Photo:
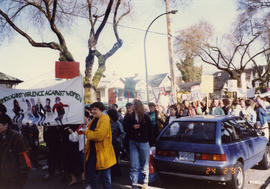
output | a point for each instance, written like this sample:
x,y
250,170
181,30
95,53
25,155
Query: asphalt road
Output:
x,y
255,179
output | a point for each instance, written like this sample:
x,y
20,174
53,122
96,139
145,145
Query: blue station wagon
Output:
x,y
216,148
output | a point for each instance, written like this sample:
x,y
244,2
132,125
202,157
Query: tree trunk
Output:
x,y
91,84
65,55
238,79
89,91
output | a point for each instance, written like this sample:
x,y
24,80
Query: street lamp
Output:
x,y
145,60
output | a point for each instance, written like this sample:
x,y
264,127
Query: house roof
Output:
x,y
156,80
6,79
220,78
187,86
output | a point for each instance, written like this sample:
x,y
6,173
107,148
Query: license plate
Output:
x,y
186,156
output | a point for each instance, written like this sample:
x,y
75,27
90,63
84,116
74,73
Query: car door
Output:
x,y
234,146
255,142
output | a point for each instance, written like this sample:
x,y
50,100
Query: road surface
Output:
x,y
255,179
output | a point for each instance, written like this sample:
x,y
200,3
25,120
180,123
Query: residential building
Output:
x,y
8,81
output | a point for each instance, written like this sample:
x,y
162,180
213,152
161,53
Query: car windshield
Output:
x,y
195,132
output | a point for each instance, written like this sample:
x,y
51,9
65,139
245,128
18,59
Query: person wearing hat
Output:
x,y
100,155
14,161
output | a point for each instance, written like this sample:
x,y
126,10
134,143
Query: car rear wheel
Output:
x,y
265,163
238,177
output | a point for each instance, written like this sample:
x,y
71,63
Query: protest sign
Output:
x,y
56,105
67,70
232,85
251,93
196,92
207,84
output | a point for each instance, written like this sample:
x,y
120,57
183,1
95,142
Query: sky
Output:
x,y
35,66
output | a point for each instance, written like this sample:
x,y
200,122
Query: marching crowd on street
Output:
x,y
90,152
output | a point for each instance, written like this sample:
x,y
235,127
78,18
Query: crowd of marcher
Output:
x,y
91,152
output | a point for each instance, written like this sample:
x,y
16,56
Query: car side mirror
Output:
x,y
259,132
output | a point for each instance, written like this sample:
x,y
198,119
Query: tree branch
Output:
x,y
38,7
124,14
51,19
51,45
115,47
19,10
54,11
104,21
256,55
243,54
92,31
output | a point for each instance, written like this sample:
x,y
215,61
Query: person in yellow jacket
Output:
x,y
100,156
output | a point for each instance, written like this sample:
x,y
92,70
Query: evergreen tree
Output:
x,y
189,72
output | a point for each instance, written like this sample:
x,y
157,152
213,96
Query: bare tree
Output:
x,y
95,13
188,44
254,18
189,41
262,77
18,15
242,55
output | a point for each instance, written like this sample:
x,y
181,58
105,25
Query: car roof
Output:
x,y
207,118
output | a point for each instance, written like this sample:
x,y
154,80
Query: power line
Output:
x,y
128,27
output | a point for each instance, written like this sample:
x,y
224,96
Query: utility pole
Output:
x,y
167,3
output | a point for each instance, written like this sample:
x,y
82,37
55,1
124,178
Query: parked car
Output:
x,y
215,148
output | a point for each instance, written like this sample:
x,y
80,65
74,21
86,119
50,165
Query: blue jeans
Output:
x,y
92,175
94,178
262,115
139,161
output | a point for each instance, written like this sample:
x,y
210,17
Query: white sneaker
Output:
x,y
45,167
88,187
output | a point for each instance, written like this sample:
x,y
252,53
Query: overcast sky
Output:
x,y
35,66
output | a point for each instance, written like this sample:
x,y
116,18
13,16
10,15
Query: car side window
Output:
x,y
190,131
228,132
245,127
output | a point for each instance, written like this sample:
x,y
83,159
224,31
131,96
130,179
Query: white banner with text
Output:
x,y
59,104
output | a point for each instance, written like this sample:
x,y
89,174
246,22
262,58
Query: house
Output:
x,y
8,81
159,85
111,89
221,80
220,83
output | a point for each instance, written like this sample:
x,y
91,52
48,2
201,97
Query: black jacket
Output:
x,y
144,133
14,161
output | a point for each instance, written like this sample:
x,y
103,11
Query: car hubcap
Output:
x,y
239,177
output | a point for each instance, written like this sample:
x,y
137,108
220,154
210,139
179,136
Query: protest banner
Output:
x,y
56,105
